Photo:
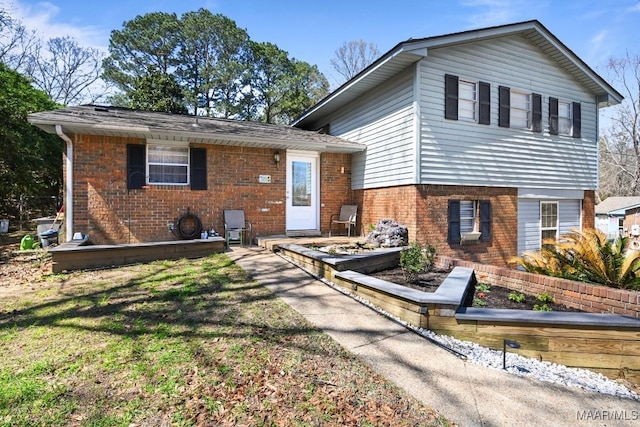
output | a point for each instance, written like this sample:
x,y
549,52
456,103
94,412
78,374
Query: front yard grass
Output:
x,y
187,342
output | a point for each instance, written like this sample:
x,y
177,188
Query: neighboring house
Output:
x,y
618,216
482,142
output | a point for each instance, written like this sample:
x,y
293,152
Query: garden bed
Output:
x,y
605,343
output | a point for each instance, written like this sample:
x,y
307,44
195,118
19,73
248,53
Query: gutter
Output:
x,y
68,186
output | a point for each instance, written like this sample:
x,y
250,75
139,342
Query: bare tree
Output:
x,y
620,146
68,72
16,42
353,57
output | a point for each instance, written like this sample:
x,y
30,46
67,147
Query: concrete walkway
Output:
x,y
464,393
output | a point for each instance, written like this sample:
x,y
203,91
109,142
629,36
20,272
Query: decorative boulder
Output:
x,y
388,233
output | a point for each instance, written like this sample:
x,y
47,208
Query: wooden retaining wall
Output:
x,y
70,256
606,343
583,296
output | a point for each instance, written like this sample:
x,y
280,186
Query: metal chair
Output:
x,y
348,215
236,227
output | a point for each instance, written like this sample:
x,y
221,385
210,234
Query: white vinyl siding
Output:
x,y
465,153
531,225
384,121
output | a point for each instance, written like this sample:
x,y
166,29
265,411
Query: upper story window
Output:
x,y
519,109
168,165
467,100
520,114
564,118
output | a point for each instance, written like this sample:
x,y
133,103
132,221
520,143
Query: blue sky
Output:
x,y
312,31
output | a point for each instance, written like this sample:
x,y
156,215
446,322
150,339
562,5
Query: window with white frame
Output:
x,y
520,113
565,119
467,216
548,221
168,164
467,100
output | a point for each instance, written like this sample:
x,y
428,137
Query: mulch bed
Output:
x,y
495,297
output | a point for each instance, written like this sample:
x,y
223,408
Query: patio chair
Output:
x,y
347,217
236,227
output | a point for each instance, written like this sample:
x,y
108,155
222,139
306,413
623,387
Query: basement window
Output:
x,y
168,165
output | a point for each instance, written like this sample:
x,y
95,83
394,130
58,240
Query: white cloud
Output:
x,y
45,18
492,12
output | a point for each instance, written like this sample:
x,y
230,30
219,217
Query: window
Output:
x,y
564,118
465,216
519,109
140,165
520,113
467,100
168,165
548,221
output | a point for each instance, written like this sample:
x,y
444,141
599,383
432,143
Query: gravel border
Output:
x,y
515,363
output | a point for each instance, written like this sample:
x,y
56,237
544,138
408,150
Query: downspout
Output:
x,y
68,185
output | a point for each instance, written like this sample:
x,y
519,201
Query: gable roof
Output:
x,y
413,50
617,205
123,122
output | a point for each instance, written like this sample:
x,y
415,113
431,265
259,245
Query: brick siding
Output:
x,y
103,207
583,296
423,209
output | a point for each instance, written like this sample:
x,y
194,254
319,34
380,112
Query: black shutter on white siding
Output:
x,y
484,105
577,120
198,165
485,220
553,116
453,235
136,162
450,97
504,107
537,112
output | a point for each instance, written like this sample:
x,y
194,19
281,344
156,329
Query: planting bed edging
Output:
x,y
605,343
583,296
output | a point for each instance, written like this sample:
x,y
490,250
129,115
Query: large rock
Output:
x,y
388,233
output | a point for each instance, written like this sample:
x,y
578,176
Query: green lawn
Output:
x,y
188,342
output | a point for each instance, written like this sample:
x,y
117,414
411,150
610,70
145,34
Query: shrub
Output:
x,y
483,287
517,297
545,297
586,256
543,307
417,259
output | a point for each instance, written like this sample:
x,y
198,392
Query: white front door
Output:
x,y
302,191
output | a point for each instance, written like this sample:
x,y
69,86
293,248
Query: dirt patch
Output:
x,y
493,297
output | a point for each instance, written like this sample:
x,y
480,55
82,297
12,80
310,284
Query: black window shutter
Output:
x,y
198,168
450,97
484,106
485,220
553,116
504,108
136,161
454,221
577,120
537,112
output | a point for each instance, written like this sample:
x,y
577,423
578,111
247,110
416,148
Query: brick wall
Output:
x,y
103,208
583,296
589,209
423,209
